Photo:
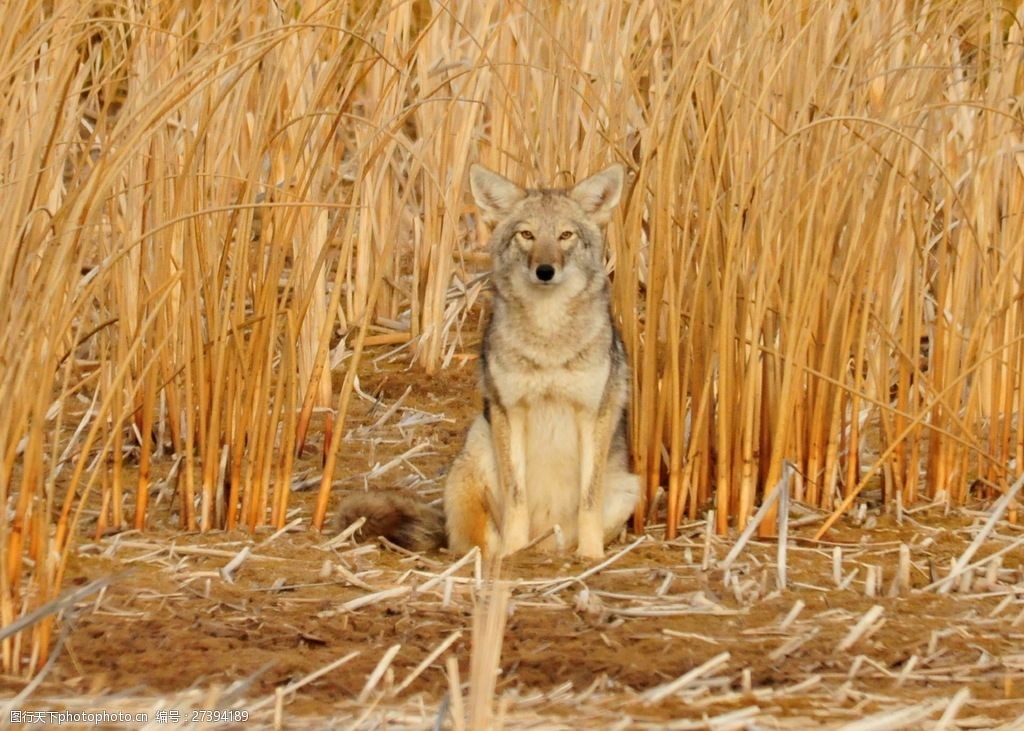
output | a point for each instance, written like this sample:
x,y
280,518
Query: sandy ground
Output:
x,y
660,637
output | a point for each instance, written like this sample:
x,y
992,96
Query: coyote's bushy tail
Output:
x,y
403,519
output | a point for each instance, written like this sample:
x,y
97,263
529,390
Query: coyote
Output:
x,y
550,446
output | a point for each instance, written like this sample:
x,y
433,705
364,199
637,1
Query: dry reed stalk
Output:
x,y
455,702
489,619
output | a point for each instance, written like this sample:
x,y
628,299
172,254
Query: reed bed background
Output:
x,y
212,207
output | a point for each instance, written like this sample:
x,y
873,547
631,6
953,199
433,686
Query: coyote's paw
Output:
x,y
590,551
591,541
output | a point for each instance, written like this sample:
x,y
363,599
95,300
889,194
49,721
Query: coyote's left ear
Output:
x,y
599,194
494,194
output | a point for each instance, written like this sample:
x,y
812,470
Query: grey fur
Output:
x,y
551,345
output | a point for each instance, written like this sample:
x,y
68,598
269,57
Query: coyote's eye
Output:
x,y
528,235
565,235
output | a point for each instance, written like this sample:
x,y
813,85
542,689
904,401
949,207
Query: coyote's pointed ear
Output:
x,y
599,194
494,194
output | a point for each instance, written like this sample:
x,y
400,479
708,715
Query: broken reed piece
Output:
x,y
908,668
952,709
992,558
781,486
427,661
871,581
992,572
228,571
966,581
901,583
791,616
792,645
456,707
660,692
378,672
555,530
470,555
281,693
709,531
783,524
901,718
365,601
945,585
446,593
594,569
855,667
345,534
294,525
866,622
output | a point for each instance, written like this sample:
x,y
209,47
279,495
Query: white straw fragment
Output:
x,y
594,569
994,556
456,705
752,525
783,524
869,618
378,673
429,584
663,691
709,531
306,680
944,585
367,600
345,534
427,661
952,709
281,531
892,720
793,613
227,572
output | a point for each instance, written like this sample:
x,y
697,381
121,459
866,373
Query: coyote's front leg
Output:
x,y
508,427
595,435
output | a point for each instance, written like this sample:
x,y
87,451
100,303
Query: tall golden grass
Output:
x,y
211,206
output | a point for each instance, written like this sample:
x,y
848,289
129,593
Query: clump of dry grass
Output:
x,y
210,207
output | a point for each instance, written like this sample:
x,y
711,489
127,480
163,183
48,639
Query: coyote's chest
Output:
x,y
529,388
569,363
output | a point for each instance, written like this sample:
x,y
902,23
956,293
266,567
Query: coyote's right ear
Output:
x,y
494,194
600,193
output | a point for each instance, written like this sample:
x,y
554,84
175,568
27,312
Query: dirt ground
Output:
x,y
659,637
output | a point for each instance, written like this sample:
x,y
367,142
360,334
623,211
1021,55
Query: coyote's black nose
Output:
x,y
545,272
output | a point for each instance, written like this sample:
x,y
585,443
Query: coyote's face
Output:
x,y
546,240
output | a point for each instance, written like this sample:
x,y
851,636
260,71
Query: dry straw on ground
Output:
x,y
210,207
308,634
